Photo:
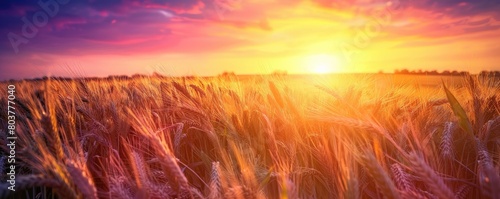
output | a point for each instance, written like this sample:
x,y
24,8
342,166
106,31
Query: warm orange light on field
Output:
x,y
322,63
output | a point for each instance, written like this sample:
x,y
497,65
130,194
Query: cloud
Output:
x,y
482,28
459,8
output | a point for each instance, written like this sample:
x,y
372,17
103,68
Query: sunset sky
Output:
x,y
202,37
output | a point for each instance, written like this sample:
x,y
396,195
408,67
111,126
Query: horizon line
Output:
x,y
232,74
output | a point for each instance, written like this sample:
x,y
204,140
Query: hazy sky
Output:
x,y
202,37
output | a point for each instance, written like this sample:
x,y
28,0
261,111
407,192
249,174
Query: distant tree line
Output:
x,y
446,72
227,74
278,73
432,72
490,73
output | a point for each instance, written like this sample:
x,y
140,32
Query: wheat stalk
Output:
x,y
198,89
119,188
488,176
276,94
486,129
382,179
446,145
437,102
348,122
216,189
401,178
462,192
178,136
430,177
48,125
82,180
29,181
414,195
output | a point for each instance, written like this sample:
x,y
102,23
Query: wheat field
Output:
x,y
255,137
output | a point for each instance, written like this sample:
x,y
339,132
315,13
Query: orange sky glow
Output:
x,y
251,37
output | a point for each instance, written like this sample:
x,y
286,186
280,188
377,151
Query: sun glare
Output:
x,y
322,63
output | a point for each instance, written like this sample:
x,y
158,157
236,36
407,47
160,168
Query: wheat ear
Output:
x,y
430,177
382,179
401,178
446,145
82,180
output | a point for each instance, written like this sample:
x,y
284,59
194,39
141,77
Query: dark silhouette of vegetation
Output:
x,y
227,74
280,73
230,75
432,72
489,73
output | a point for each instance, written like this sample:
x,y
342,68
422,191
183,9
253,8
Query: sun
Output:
x,y
322,63
321,68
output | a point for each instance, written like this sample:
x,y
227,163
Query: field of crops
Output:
x,y
340,136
